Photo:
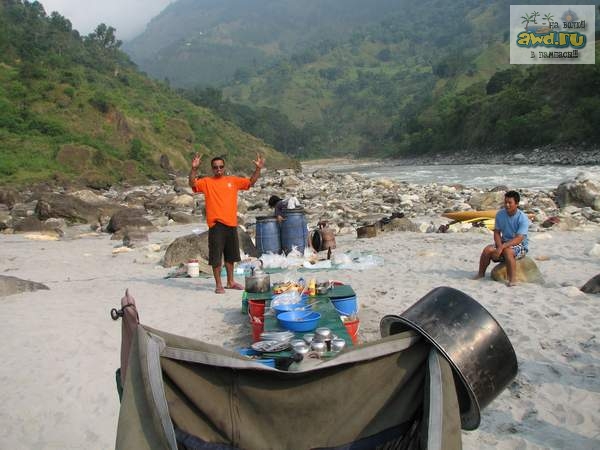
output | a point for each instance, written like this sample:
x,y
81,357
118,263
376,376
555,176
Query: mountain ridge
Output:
x,y
75,109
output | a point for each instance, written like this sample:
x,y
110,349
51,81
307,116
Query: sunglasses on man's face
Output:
x,y
218,167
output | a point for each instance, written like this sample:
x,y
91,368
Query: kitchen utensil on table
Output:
x,y
258,281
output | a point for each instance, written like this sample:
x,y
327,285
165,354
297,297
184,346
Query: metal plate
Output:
x,y
270,346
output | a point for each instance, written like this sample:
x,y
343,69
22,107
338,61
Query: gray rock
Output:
x,y
581,192
134,238
182,217
73,209
23,209
592,286
14,285
32,224
527,272
399,224
322,173
129,218
195,246
9,197
487,200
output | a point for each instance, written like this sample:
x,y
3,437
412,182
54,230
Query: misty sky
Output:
x,y
129,17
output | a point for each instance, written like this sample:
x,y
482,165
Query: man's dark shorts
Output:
x,y
223,241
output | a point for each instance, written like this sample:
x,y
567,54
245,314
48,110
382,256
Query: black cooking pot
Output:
x,y
473,342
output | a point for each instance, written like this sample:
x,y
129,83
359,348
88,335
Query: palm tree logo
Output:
x,y
549,18
526,19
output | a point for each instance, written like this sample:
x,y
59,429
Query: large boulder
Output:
x,y
527,272
5,218
195,246
20,210
14,285
32,224
127,219
487,200
592,286
182,217
399,224
581,192
9,197
68,207
90,197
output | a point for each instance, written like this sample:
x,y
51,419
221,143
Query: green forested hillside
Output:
x,y
385,78
208,42
401,88
76,108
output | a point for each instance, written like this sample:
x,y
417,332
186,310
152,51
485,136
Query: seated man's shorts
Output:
x,y
223,242
518,250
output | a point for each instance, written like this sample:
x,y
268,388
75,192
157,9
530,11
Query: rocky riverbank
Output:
x,y
546,155
345,201
59,325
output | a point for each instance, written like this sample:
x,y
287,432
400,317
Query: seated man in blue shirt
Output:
x,y
510,238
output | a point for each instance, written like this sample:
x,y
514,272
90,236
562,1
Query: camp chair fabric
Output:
x,y
181,393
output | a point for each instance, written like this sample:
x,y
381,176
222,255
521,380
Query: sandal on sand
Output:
x,y
235,285
219,291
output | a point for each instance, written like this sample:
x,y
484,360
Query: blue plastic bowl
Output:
x,y
293,307
299,320
345,306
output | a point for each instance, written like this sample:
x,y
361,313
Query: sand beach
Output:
x,y
61,349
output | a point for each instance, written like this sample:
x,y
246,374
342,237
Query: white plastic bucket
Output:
x,y
193,269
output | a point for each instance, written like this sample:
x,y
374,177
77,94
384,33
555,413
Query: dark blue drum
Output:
x,y
293,230
267,235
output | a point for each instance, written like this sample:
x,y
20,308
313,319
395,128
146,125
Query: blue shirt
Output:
x,y
511,226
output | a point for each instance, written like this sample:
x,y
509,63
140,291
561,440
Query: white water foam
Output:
x,y
482,176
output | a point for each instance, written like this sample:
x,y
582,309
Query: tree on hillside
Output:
x,y
104,37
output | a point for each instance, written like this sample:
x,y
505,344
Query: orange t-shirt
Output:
x,y
221,197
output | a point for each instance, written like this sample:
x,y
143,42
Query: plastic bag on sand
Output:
x,y
287,298
308,253
325,264
341,258
295,258
271,260
359,261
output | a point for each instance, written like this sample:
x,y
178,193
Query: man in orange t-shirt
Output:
x,y
221,194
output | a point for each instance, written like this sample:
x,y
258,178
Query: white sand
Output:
x,y
61,349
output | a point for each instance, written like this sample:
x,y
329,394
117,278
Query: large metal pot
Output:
x,y
465,333
259,281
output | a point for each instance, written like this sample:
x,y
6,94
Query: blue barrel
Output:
x,y
293,230
345,306
267,235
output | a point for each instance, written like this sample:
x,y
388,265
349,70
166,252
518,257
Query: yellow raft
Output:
x,y
482,218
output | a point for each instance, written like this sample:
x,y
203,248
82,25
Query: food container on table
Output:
x,y
318,347
308,338
338,344
258,281
323,334
301,348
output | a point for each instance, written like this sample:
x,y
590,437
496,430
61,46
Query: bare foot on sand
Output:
x,y
511,283
235,285
219,290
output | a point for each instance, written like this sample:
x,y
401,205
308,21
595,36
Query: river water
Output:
x,y
485,176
